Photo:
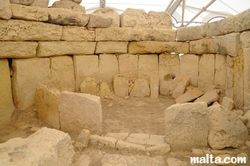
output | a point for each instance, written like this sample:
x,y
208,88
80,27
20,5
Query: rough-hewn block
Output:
x,y
169,68
140,88
40,3
46,49
97,21
159,20
27,75
220,71
128,65
109,13
188,33
118,34
18,49
6,103
245,39
111,47
246,53
29,30
189,65
166,35
121,86
144,47
29,13
74,33
242,21
69,5
206,70
5,9
85,66
202,46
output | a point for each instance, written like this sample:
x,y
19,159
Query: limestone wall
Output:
x,y
61,48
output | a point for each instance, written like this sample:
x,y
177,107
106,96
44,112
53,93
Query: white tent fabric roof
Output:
x,y
217,10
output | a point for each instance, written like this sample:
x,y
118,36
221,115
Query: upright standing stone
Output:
x,y
109,13
189,65
206,70
220,71
230,78
140,88
169,69
182,83
6,103
246,53
128,65
121,85
5,9
62,74
85,66
27,75
242,21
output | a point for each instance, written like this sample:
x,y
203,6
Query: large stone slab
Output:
x,y
6,102
206,70
67,17
189,33
108,68
242,21
128,65
80,111
25,80
29,13
18,49
98,21
5,9
208,97
225,129
189,65
50,146
189,96
29,30
111,47
46,49
246,52
74,33
166,35
144,47
202,46
85,66
46,102
181,84
187,125
220,71
69,5
62,74
118,34
159,20
109,13
169,69
244,39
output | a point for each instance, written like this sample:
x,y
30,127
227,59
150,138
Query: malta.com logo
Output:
x,y
210,159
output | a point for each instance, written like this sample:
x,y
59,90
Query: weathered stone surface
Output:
x,y
74,33
140,88
126,146
46,49
181,84
29,13
83,139
225,129
218,28
109,13
206,69
6,103
107,142
18,49
128,65
228,44
118,34
80,111
156,140
27,2
144,47
230,77
108,68
159,149
244,39
186,125
122,160
242,21
202,46
189,33
104,89
29,30
166,35
138,138
208,97
98,21
176,162
154,85
134,18
25,80
46,102
148,66
169,68
117,136
67,17
111,47
246,53
220,71
40,3
85,66
76,1
62,73
189,65
120,85
228,103
5,10
159,20
69,5
50,146
89,86
81,159
247,115
189,96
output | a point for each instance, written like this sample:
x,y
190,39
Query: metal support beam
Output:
x,y
170,3
102,3
174,6
183,12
